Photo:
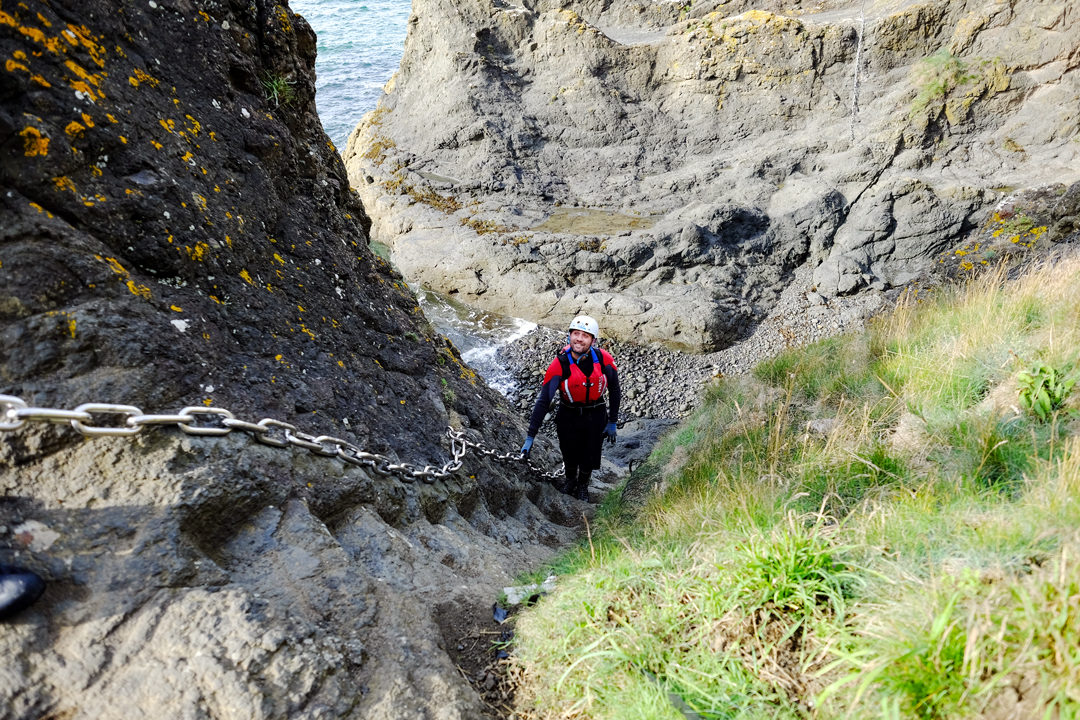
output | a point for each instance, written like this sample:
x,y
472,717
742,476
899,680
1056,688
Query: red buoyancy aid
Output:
x,y
576,387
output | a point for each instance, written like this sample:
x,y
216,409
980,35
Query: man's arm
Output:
x,y
543,404
614,392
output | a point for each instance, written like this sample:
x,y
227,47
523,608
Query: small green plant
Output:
x,y
278,89
448,394
794,570
937,76
1043,389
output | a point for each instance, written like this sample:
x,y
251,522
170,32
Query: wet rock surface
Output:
x,y
671,167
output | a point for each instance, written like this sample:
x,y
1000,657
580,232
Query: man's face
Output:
x,y
580,341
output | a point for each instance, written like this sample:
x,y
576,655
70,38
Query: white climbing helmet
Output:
x,y
587,324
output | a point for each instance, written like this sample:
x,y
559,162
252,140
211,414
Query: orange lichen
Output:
x,y
141,76
85,80
62,182
83,36
247,277
34,143
114,265
41,209
176,308
74,129
198,252
140,290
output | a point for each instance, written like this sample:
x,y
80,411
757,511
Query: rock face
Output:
x,y
178,231
668,167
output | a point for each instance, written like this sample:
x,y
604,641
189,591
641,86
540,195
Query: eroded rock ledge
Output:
x,y
668,167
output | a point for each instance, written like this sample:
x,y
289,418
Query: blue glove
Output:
x,y
610,431
527,446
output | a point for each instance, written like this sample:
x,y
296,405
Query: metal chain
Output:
x,y
511,457
214,422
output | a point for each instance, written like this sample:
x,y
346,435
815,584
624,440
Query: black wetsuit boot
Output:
x,y
566,483
581,487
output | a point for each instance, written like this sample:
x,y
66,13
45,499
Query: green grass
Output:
x,y
875,526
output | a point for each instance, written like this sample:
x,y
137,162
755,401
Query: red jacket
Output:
x,y
577,388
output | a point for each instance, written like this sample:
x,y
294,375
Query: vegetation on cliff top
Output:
x,y
883,524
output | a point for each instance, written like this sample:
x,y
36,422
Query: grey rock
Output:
x,y
672,170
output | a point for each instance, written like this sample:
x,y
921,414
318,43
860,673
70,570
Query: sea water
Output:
x,y
477,334
359,47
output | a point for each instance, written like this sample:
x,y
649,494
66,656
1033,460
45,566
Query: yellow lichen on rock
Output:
x,y
34,143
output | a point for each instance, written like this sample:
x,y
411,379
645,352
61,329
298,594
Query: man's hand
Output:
x,y
527,446
610,432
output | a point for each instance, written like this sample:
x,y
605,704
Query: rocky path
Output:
x,y
661,386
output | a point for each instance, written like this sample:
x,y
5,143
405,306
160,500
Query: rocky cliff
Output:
x,y
670,166
178,231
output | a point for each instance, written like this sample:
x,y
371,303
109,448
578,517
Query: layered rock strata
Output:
x,y
178,231
668,167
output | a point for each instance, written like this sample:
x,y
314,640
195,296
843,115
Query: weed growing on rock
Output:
x,y
937,76
484,227
278,89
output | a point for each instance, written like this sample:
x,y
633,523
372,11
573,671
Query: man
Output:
x,y
580,374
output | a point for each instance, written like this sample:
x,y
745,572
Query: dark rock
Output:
x,y
178,231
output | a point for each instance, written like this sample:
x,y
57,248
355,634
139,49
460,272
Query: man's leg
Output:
x,y
566,483
581,487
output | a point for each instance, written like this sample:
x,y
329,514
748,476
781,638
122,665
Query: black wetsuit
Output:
x,y
581,417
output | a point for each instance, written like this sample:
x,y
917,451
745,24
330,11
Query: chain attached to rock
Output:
x,y
215,422
511,457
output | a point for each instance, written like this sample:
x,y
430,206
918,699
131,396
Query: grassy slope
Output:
x,y
872,526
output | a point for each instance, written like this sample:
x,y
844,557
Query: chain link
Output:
x,y
512,457
215,422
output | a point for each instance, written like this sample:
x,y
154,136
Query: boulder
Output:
x,y
694,157
179,234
